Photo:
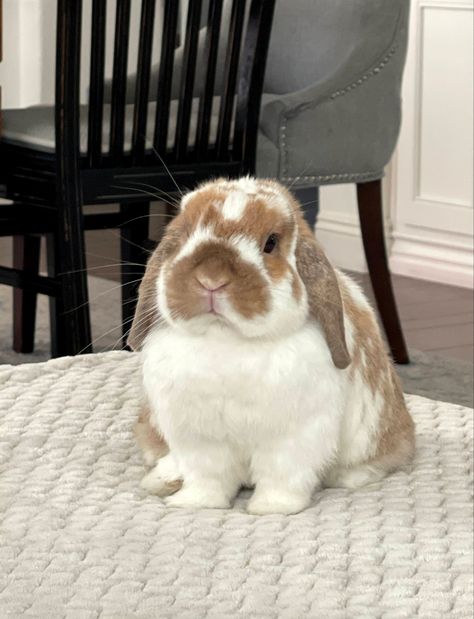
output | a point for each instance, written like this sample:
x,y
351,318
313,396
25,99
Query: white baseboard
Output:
x,y
433,261
339,234
338,227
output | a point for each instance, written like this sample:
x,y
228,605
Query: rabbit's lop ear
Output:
x,y
146,312
324,297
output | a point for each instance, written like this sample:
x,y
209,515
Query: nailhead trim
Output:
x,y
334,95
371,73
330,177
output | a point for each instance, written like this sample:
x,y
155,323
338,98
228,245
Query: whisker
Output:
x,y
122,238
95,340
167,169
297,178
88,253
164,215
310,202
129,301
101,294
104,266
174,200
148,193
143,320
126,322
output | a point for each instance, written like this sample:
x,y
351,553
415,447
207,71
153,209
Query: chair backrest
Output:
x,y
312,39
247,35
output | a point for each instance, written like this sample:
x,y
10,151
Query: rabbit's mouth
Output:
x,y
214,300
199,303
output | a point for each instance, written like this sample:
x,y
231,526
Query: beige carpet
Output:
x,y
80,540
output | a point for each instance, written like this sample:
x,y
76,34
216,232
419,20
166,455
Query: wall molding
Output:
x,y
447,4
432,259
339,233
433,221
419,59
338,226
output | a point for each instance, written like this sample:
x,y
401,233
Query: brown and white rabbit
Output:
x,y
262,365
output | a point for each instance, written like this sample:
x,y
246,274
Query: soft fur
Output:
x,y
261,368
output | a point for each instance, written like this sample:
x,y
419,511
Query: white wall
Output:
x,y
432,206
27,70
21,71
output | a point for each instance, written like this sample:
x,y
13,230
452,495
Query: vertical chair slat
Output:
x,y
230,76
96,94
250,82
168,42
119,79
187,78
211,48
143,80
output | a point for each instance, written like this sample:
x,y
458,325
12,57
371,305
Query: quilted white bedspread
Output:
x,y
80,539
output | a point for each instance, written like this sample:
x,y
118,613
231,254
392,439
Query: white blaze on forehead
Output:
x,y
239,192
200,235
234,205
248,249
247,184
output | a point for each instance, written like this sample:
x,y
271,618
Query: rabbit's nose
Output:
x,y
212,284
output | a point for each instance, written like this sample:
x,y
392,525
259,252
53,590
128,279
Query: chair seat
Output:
x,y
33,127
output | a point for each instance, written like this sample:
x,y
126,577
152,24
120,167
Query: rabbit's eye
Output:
x,y
271,243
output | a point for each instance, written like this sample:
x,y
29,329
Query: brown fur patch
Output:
x,y
246,289
146,313
370,359
148,439
258,220
152,443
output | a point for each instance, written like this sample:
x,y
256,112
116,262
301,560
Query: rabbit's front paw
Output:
x,y
164,479
198,496
154,484
277,501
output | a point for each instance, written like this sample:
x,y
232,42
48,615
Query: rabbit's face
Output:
x,y
232,261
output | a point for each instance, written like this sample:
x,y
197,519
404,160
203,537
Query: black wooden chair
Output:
x,y
56,159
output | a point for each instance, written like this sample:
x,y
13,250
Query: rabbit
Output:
x,y
263,366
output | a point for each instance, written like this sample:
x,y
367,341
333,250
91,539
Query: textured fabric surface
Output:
x,y
79,539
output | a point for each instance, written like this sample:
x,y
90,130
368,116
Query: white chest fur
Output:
x,y
243,392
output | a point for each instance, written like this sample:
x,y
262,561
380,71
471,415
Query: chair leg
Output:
x,y
308,197
56,313
133,256
369,198
26,257
69,311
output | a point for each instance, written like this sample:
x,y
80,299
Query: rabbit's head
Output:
x,y
239,255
